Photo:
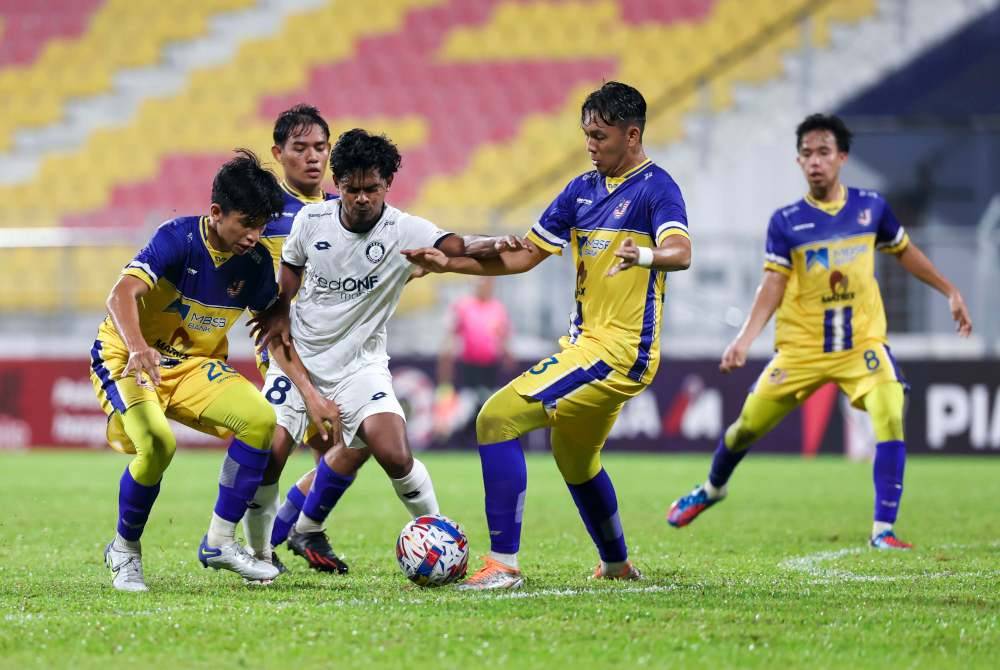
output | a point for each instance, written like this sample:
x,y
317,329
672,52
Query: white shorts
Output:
x,y
366,392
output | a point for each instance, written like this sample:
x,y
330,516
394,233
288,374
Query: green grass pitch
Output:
x,y
776,576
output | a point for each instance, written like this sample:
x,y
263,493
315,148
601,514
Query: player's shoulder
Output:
x,y
867,198
181,231
316,213
654,179
789,215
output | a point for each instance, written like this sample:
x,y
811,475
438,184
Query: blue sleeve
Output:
x,y
777,253
166,251
668,214
552,232
266,290
890,235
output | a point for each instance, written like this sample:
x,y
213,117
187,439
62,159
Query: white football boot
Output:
x,y
234,557
126,568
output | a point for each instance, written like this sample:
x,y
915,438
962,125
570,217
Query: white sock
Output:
x,y
510,560
307,524
259,520
614,567
715,492
880,527
220,531
121,544
416,491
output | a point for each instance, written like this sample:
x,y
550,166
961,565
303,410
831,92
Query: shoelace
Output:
x,y
132,568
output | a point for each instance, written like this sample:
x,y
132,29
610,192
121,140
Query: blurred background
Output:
x,y
117,113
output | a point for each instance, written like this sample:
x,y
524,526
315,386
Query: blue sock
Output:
x,y
326,490
723,463
134,504
287,514
598,507
241,474
505,480
887,471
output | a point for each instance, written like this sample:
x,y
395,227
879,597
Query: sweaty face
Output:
x,y
234,231
362,197
606,144
304,157
820,159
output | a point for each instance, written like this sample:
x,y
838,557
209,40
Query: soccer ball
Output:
x,y
432,551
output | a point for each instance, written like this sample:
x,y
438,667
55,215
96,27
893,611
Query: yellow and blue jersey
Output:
x,y
197,293
618,318
276,232
832,301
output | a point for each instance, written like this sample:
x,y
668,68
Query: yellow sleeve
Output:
x,y
535,239
777,268
139,273
898,247
667,232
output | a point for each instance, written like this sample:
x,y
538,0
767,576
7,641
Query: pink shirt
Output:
x,y
482,328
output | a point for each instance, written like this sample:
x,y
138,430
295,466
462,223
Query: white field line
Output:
x,y
812,565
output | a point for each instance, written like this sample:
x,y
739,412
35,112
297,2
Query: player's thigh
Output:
x,y
368,393
863,368
147,429
117,394
885,405
289,407
214,398
384,434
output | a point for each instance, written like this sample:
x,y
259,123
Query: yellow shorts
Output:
x,y
187,387
581,393
856,371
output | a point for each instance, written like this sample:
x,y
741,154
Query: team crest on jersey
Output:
x,y
621,209
817,257
865,217
375,251
234,289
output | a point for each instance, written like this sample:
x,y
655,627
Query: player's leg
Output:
x,y
236,405
258,522
759,415
505,417
885,404
291,507
334,473
870,378
578,435
146,427
385,435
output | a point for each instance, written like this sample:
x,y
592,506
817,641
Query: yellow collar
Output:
x,y
218,257
308,199
832,207
611,183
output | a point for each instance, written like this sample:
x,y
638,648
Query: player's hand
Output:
x,y
325,416
509,243
143,362
417,272
735,356
428,258
271,325
960,313
628,251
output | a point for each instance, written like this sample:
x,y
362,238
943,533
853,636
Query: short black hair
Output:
x,y
296,120
830,122
358,150
243,185
616,103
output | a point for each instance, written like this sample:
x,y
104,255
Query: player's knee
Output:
x,y
152,461
888,426
741,434
257,427
577,468
494,425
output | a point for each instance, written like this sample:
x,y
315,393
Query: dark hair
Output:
x,y
242,185
358,150
830,122
296,120
616,103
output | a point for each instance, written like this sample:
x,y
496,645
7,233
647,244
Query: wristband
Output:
x,y
645,259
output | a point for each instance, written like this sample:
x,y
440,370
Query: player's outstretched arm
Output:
x,y
507,263
124,310
272,325
491,246
673,255
769,295
917,264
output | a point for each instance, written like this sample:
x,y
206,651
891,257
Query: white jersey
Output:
x,y
351,285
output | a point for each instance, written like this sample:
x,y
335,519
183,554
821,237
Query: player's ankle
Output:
x,y
510,560
880,527
307,525
715,492
121,544
613,567
220,531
